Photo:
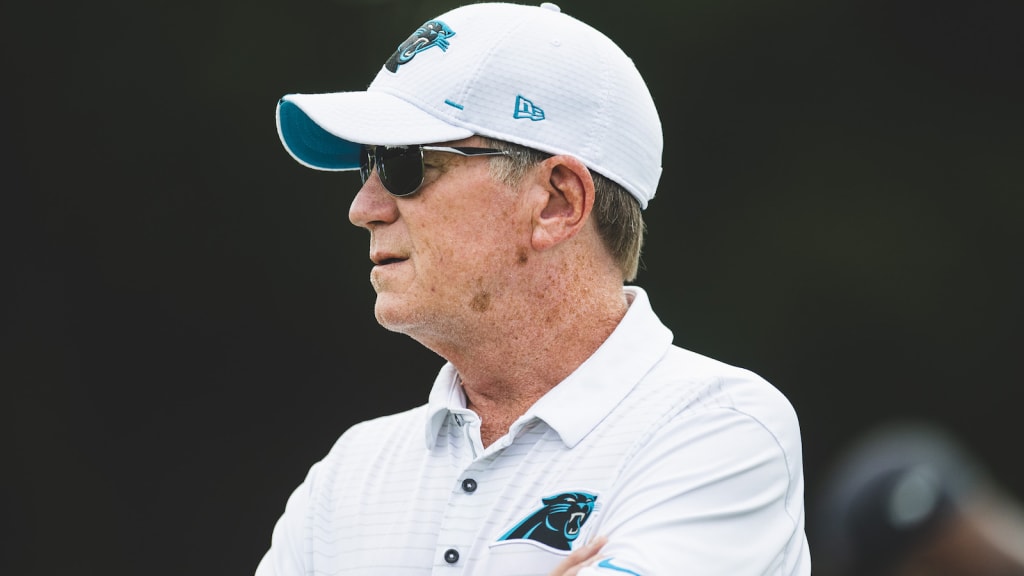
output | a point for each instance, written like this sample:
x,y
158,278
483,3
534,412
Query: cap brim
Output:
x,y
325,131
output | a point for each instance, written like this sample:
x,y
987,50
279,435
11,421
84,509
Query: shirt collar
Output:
x,y
576,405
445,397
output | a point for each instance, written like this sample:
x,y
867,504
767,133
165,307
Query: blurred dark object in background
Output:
x,y
909,499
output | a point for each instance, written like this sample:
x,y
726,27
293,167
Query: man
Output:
x,y
507,153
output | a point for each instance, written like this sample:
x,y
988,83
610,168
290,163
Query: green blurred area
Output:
x,y
190,322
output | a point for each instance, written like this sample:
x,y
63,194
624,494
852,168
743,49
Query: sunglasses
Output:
x,y
400,168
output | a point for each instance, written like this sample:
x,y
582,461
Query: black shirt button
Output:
x,y
451,555
469,485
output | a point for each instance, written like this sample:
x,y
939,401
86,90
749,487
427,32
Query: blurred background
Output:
x,y
187,317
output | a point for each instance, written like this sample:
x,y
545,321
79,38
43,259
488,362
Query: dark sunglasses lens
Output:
x,y
400,169
365,165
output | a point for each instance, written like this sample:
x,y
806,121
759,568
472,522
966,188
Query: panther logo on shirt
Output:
x,y
557,523
432,33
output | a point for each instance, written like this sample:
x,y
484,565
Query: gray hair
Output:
x,y
616,212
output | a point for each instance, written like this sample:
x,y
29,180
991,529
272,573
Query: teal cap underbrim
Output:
x,y
310,144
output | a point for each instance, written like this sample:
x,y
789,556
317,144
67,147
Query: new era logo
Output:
x,y
526,109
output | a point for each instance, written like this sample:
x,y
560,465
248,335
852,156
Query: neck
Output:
x,y
505,371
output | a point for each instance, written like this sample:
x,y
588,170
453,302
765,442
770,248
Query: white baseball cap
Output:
x,y
530,75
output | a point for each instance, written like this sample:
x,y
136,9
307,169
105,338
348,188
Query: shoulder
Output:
x,y
371,440
701,382
701,399
380,432
718,452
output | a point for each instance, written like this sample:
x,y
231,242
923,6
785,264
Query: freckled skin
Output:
x,y
511,285
481,302
447,249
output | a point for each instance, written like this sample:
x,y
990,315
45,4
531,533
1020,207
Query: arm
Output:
x,y
286,556
715,493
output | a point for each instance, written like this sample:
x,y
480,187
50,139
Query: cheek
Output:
x,y
464,240
436,242
522,255
474,244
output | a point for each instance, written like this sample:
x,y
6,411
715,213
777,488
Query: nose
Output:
x,y
373,204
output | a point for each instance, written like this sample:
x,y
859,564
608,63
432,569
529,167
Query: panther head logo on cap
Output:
x,y
432,33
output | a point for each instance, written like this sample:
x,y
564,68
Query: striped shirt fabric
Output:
x,y
687,464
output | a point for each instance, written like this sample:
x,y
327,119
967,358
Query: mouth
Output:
x,y
383,259
576,520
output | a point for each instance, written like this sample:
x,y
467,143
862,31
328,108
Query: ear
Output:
x,y
568,198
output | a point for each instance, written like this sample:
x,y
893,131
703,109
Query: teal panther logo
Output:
x,y
557,523
432,33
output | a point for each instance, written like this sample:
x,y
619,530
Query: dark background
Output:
x,y
188,322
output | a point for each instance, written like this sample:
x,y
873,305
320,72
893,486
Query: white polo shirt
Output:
x,y
687,464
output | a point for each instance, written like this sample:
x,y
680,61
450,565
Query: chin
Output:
x,y
390,313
